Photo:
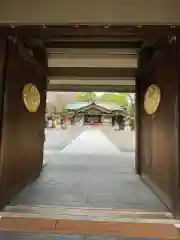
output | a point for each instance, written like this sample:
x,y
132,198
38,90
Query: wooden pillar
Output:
x,y
177,200
3,65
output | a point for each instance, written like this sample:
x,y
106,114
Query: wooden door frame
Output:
x,y
118,35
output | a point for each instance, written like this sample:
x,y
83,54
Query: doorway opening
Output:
x,y
89,155
90,59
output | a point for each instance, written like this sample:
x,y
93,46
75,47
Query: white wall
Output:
x,y
107,119
90,11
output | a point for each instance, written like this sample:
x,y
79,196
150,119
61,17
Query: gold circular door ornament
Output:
x,y
31,97
152,99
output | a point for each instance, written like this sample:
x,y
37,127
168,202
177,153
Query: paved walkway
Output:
x,y
123,140
57,139
91,141
89,172
13,236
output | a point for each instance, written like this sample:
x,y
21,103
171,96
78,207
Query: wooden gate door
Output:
x,y
21,153
23,112
157,152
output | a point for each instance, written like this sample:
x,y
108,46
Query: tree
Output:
x,y
60,99
129,112
127,101
64,112
86,97
120,98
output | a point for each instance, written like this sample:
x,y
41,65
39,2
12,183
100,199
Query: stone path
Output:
x,y
91,141
13,236
89,172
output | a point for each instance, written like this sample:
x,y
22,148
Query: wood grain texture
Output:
x,y
23,132
158,138
89,227
3,63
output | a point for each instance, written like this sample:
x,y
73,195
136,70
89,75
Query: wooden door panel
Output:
x,y
158,137
23,131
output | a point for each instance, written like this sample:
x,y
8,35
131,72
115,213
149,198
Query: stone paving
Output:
x,y
92,141
13,236
89,172
123,140
86,167
57,139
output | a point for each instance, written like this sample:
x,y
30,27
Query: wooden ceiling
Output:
x,y
87,39
92,68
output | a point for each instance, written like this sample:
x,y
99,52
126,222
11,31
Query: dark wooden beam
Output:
x,y
83,31
94,44
92,72
90,88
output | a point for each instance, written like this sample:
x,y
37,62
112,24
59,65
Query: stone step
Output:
x,y
30,236
93,212
89,222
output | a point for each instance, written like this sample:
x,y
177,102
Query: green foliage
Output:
x,y
129,113
123,99
86,97
120,98
64,112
